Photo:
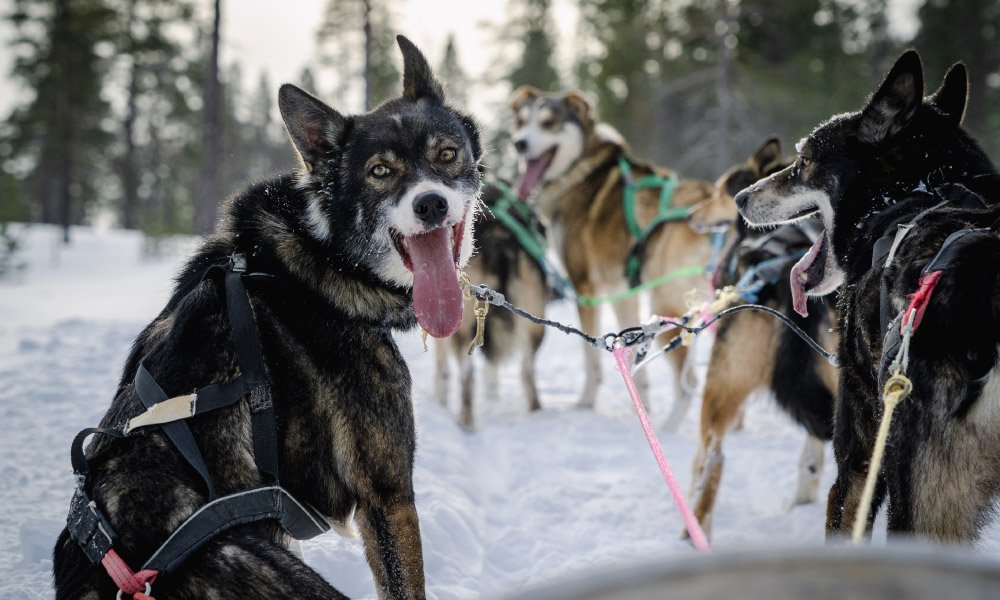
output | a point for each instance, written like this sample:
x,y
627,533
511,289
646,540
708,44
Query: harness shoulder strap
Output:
x,y
272,502
150,393
246,338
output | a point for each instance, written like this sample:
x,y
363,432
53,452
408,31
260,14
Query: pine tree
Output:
x,y
623,66
151,55
357,39
531,28
270,152
450,72
60,52
307,80
969,32
208,192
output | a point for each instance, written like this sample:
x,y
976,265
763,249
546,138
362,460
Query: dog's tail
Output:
x,y
796,380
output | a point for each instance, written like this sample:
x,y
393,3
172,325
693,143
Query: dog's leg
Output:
x,y
740,419
592,357
627,313
682,399
843,502
854,430
810,469
467,368
391,533
535,335
733,373
442,370
491,380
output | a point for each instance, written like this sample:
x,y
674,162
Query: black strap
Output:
x,y
272,502
220,395
88,526
945,257
76,454
245,337
151,393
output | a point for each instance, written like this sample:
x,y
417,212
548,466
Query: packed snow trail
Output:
x,y
527,499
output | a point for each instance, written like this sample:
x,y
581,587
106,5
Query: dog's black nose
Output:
x,y
521,145
430,207
741,200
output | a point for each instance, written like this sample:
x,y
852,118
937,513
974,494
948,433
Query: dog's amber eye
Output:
x,y
447,155
548,123
380,171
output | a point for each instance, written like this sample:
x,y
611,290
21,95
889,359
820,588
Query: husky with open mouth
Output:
x,y
753,351
892,183
570,170
365,238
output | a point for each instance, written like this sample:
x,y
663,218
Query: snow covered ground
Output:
x,y
525,500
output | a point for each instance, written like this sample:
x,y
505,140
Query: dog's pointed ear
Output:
x,y
418,80
523,95
895,101
314,127
578,105
767,156
952,96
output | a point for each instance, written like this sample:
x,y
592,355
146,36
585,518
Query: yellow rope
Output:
x,y
895,391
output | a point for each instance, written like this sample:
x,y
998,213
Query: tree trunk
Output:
x,y
724,90
129,165
63,138
369,76
207,209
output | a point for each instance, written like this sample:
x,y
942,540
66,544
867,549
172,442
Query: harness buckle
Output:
x,y
238,263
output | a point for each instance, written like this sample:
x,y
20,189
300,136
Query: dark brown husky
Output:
x,y
364,239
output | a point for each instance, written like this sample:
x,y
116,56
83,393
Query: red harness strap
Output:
x,y
920,298
128,582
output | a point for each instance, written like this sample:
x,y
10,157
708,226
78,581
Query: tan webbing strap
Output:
x,y
172,409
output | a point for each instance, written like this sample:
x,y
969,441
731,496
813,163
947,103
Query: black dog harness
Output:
x,y
897,330
90,527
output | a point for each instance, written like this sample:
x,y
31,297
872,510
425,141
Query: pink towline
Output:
x,y
693,527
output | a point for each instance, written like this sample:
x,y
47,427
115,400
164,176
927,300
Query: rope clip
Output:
x,y
480,308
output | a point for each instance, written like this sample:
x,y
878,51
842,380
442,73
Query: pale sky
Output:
x,y
264,34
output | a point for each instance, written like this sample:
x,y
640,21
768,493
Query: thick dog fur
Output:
x,y
581,197
865,173
335,289
752,350
503,265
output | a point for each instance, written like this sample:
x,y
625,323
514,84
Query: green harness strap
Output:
x,y
667,186
525,236
535,247
692,271
665,214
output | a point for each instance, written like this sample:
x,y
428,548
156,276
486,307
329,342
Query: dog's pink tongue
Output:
x,y
437,297
534,169
800,277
